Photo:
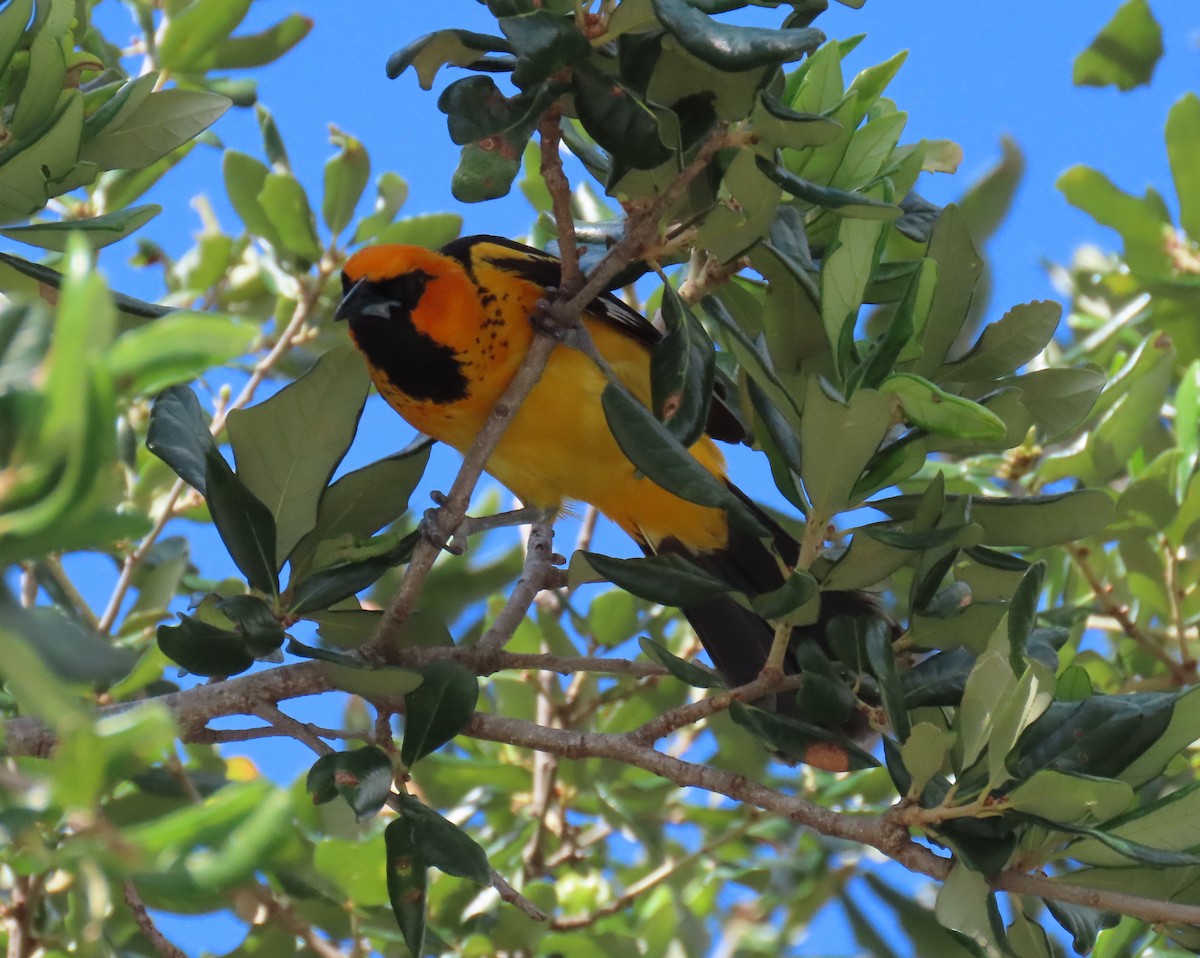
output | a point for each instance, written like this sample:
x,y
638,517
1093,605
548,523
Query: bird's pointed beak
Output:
x,y
363,299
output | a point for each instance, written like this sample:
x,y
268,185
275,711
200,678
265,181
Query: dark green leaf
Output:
x,y
544,43
407,880
874,634
363,777
178,434
429,53
618,119
798,591
845,203
690,672
243,522
937,680
256,622
1083,924
794,738
328,586
1100,735
682,371
319,781
444,845
437,711
669,579
204,649
734,48
917,540
650,446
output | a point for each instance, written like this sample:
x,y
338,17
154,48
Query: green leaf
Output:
x,y
1183,145
618,119
1029,700
1017,337
1125,52
287,447
1058,399
942,413
346,175
378,682
734,48
431,230
691,673
164,121
788,603
331,584
838,440
285,205
1028,522
362,502
1168,824
13,20
407,881
1181,731
430,53
249,50
924,752
963,903
1142,222
444,845
682,371
178,434
1022,613
544,43
191,33
1067,797
27,167
959,266
990,683
98,231
245,525
669,579
176,349
245,178
437,710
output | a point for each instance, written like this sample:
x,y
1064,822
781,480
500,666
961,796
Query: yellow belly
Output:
x,y
558,447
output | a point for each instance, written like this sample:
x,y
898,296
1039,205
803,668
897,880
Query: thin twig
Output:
x,y
539,553
163,945
684,715
1180,673
559,187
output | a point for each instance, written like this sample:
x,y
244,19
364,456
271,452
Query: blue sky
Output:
x,y
974,73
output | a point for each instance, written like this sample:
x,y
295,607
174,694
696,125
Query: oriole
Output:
x,y
443,334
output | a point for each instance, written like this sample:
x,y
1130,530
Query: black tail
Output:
x,y
737,640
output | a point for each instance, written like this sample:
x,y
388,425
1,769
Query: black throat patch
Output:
x,y
414,362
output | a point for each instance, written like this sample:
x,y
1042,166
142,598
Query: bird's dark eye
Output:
x,y
406,289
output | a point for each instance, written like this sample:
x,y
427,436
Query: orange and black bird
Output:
x,y
443,334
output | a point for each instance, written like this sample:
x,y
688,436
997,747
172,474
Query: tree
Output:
x,y
1038,493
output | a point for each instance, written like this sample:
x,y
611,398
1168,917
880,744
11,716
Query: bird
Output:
x,y
443,333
